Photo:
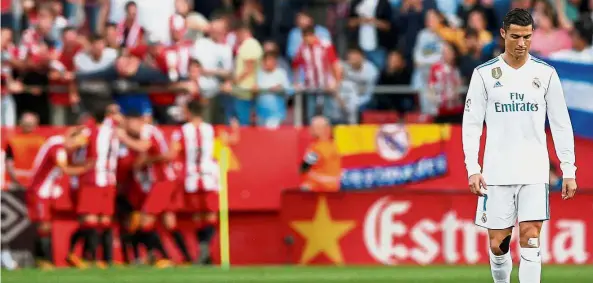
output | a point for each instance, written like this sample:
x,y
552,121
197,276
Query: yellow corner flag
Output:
x,y
225,260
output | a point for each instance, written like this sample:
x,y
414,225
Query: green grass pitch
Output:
x,y
281,274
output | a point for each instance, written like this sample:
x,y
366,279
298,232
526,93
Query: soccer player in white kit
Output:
x,y
513,93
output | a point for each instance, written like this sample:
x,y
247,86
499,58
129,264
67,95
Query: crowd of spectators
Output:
x,y
248,58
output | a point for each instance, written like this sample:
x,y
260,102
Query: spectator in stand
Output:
x,y
370,24
295,36
273,85
427,50
95,60
9,86
60,22
493,49
397,72
64,101
36,52
15,161
476,21
111,36
251,14
195,24
247,64
486,7
222,105
582,51
473,56
548,37
444,87
364,74
129,32
271,46
410,21
323,74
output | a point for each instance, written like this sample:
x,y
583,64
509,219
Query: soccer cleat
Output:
x,y
101,264
45,265
163,263
77,262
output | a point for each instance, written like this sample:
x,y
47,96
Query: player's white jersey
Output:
x,y
514,104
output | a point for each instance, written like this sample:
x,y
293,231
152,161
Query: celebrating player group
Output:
x,y
513,93
122,168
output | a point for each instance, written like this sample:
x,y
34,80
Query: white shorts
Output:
x,y
504,205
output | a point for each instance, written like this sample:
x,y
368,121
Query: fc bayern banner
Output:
x,y
392,228
577,82
376,156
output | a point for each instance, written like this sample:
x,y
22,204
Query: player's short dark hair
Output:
x,y
130,4
308,31
306,13
519,17
195,107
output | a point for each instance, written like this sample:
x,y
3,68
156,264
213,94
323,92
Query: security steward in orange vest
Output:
x,y
322,167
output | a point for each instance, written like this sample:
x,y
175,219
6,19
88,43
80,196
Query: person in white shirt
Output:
x,y
513,93
581,51
273,84
364,74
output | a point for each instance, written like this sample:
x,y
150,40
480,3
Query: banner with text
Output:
x,y
419,228
375,156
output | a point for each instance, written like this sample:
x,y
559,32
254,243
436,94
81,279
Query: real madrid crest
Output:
x,y
484,219
496,73
536,83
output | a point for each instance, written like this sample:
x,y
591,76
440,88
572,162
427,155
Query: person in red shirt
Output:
x,y
62,96
48,183
96,193
8,84
444,83
193,146
153,186
319,61
129,31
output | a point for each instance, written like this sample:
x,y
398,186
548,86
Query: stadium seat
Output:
x,y
418,118
379,117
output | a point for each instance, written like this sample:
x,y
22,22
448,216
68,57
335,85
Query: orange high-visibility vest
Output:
x,y
324,174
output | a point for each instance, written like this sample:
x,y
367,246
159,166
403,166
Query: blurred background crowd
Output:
x,y
265,62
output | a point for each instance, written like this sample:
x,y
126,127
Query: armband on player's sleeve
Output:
x,y
310,159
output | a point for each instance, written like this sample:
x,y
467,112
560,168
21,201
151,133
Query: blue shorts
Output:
x,y
139,103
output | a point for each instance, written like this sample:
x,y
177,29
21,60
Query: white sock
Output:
x,y
501,267
530,268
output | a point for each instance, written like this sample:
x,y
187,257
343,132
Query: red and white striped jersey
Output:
x,y
445,81
103,147
196,144
46,171
8,52
159,171
317,60
129,36
33,46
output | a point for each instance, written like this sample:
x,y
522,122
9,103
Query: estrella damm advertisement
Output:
x,y
376,156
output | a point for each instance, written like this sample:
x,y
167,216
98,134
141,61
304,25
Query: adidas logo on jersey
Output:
x,y
497,84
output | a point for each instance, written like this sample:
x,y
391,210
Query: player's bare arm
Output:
x,y
139,145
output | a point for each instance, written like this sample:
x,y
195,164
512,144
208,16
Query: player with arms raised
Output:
x,y
513,93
